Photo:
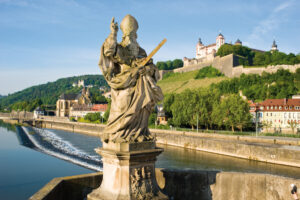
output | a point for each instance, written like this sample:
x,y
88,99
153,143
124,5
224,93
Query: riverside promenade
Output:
x,y
277,150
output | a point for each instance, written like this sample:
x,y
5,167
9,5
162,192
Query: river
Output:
x,y
31,157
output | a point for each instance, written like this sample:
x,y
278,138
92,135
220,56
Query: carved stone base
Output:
x,y
128,172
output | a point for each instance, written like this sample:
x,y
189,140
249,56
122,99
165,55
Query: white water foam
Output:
x,y
64,146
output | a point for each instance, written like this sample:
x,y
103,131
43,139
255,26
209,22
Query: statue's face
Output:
x,y
130,42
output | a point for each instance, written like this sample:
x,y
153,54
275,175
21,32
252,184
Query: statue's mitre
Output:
x,y
129,24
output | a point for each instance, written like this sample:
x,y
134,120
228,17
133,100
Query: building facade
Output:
x,y
278,114
210,50
66,101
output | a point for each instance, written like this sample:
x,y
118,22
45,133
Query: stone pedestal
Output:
x,y
128,172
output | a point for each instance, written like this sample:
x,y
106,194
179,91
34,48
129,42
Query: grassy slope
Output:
x,y
178,82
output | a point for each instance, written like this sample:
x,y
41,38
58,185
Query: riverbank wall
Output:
x,y
77,127
183,184
284,151
277,150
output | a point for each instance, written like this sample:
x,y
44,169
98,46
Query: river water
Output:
x,y
31,157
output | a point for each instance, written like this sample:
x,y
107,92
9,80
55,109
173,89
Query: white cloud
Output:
x,y
270,23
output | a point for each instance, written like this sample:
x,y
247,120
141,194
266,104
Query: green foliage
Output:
x,y
107,112
93,117
152,118
282,84
232,112
208,109
96,96
48,93
169,65
249,57
246,53
209,72
27,105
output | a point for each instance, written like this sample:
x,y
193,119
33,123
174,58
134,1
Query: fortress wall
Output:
x,y
259,70
229,65
224,64
193,67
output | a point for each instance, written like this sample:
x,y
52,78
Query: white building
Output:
x,y
280,113
38,112
209,50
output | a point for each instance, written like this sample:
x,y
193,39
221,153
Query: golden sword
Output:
x,y
153,52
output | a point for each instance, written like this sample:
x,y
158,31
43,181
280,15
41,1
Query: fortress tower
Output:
x,y
274,46
209,51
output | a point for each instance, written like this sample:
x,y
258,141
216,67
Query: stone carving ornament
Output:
x,y
134,92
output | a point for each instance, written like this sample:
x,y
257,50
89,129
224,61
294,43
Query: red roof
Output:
x,y
100,107
281,105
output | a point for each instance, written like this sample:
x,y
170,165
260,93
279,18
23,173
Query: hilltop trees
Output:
x,y
169,65
282,84
220,105
251,57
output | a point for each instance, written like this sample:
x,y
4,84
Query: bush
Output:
x,y
208,72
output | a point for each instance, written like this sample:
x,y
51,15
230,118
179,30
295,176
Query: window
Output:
x,y
267,114
280,107
291,107
275,108
286,107
271,114
267,107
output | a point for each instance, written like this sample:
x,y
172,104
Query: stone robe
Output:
x,y
134,93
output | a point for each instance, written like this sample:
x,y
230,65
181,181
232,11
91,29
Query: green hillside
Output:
x,y
48,93
178,82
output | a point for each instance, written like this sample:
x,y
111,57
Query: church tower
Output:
x,y
198,48
274,46
219,41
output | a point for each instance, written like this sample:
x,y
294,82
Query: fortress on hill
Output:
x,y
228,65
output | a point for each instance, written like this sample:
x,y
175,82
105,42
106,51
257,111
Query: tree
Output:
x,y
209,72
107,112
161,65
234,112
177,63
184,109
293,125
267,125
167,103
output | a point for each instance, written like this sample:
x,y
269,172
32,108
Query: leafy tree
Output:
x,y
234,112
267,125
167,103
184,109
208,72
177,63
293,125
161,65
107,112
93,117
152,118
169,65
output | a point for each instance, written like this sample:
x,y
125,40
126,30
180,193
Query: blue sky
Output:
x,y
43,40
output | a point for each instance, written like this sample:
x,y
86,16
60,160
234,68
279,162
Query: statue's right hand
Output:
x,y
113,26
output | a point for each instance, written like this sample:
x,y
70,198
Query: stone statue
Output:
x,y
134,92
